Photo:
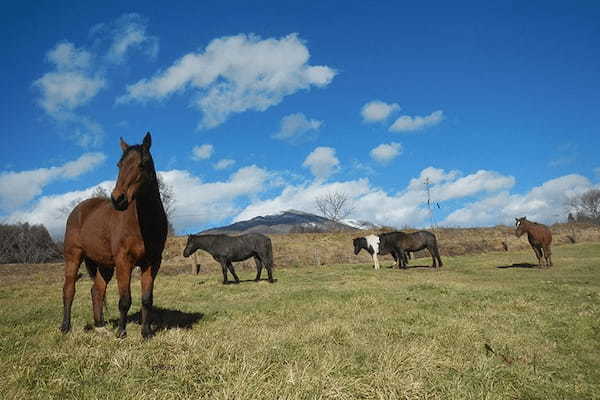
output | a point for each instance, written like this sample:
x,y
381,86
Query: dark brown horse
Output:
x,y
539,237
127,231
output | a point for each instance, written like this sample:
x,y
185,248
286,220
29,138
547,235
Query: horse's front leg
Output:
x,y
230,267
148,277
375,260
124,269
224,269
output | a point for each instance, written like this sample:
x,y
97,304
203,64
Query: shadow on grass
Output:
x,y
250,280
519,265
413,267
163,319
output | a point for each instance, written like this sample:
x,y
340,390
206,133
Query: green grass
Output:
x,y
331,332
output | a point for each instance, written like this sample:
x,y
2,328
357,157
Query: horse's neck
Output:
x,y
150,211
203,242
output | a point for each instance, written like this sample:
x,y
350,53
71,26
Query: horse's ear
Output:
x,y
147,141
123,144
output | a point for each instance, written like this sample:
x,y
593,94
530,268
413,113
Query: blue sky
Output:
x,y
258,107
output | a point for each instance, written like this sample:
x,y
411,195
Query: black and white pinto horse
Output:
x,y
227,249
374,245
399,244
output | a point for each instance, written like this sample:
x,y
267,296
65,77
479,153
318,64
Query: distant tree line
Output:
x,y
27,244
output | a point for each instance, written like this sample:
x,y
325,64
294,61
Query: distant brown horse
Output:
x,y
127,231
539,237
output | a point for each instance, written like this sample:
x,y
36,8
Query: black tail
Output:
x,y
92,268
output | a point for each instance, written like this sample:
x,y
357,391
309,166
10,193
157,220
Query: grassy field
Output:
x,y
486,326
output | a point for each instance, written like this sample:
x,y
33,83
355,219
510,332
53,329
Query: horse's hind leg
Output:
x,y
232,270
548,256
148,276
73,260
538,254
101,279
259,266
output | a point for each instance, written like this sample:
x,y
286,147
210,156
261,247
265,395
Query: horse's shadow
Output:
x,y
250,280
412,267
163,319
518,265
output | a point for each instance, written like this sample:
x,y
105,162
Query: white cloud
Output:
x,y
235,74
52,211
18,188
69,86
406,123
597,171
405,208
198,203
322,162
296,126
377,111
224,163
203,152
128,32
546,203
386,152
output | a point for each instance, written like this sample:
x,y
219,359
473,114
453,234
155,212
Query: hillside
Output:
x,y
301,249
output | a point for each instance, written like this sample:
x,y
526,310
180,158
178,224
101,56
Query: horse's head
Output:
x,y
358,244
189,247
136,168
519,223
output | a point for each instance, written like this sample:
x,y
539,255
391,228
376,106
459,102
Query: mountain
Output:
x,y
290,221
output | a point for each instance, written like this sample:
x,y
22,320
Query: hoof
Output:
x,y
147,334
65,328
121,334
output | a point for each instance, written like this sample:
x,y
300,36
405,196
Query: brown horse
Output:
x,y
127,231
539,237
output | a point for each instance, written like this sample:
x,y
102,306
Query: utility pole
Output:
x,y
431,217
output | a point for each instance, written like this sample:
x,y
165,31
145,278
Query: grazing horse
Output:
x,y
539,237
373,245
117,235
226,249
412,242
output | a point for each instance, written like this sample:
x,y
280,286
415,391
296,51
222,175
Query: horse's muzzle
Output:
x,y
121,203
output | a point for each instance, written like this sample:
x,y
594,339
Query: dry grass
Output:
x,y
329,332
302,249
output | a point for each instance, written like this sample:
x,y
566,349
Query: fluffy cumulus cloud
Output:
x,y
322,162
407,123
295,127
370,203
386,152
78,74
223,164
196,202
203,152
70,84
377,111
235,74
128,32
18,188
546,203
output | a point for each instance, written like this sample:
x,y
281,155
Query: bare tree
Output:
x,y
587,206
24,243
334,205
167,195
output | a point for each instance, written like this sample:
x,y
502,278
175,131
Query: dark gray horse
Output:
x,y
410,242
226,249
